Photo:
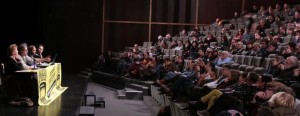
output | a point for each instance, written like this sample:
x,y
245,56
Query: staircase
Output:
x,y
85,73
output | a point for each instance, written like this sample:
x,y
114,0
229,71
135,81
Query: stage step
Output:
x,y
82,76
129,93
107,79
134,94
144,83
86,111
142,88
88,70
86,73
121,94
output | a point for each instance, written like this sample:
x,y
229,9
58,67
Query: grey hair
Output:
x,y
227,53
22,46
294,60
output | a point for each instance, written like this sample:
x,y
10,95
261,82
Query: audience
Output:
x,y
201,65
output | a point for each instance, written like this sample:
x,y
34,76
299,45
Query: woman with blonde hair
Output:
x,y
12,82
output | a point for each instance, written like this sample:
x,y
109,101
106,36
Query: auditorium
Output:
x,y
150,58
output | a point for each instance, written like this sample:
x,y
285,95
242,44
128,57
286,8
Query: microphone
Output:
x,y
34,64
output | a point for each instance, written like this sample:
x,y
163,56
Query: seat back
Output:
x,y
257,61
172,52
241,59
149,44
266,63
145,44
166,51
218,70
234,58
287,39
272,55
2,74
178,52
248,60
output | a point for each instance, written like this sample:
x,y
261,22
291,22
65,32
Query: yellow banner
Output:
x,y
49,84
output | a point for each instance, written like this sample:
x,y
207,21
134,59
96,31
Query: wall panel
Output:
x,y
209,10
130,10
120,35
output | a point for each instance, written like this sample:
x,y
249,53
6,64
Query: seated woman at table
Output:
x,y
12,83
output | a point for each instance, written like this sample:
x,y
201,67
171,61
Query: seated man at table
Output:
x,y
13,83
30,60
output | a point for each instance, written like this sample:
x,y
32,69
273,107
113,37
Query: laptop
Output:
x,y
53,60
44,65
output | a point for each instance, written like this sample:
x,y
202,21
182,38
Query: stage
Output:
x,y
65,105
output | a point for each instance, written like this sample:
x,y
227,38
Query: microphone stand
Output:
x,y
34,64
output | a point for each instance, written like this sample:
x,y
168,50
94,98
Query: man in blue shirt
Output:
x,y
224,58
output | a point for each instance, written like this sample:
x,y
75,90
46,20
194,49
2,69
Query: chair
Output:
x,y
145,44
200,28
276,13
289,18
234,32
185,39
239,20
264,66
218,33
268,31
166,51
286,40
2,81
174,38
219,28
212,28
255,63
178,52
272,55
205,32
218,70
247,62
241,60
234,58
219,39
232,22
227,26
213,44
172,54
213,32
149,44
241,26
206,27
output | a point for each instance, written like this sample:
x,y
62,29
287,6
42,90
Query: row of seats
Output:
x,y
251,63
163,100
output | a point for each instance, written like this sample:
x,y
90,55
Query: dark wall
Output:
x,y
20,22
71,28
209,10
132,10
120,35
